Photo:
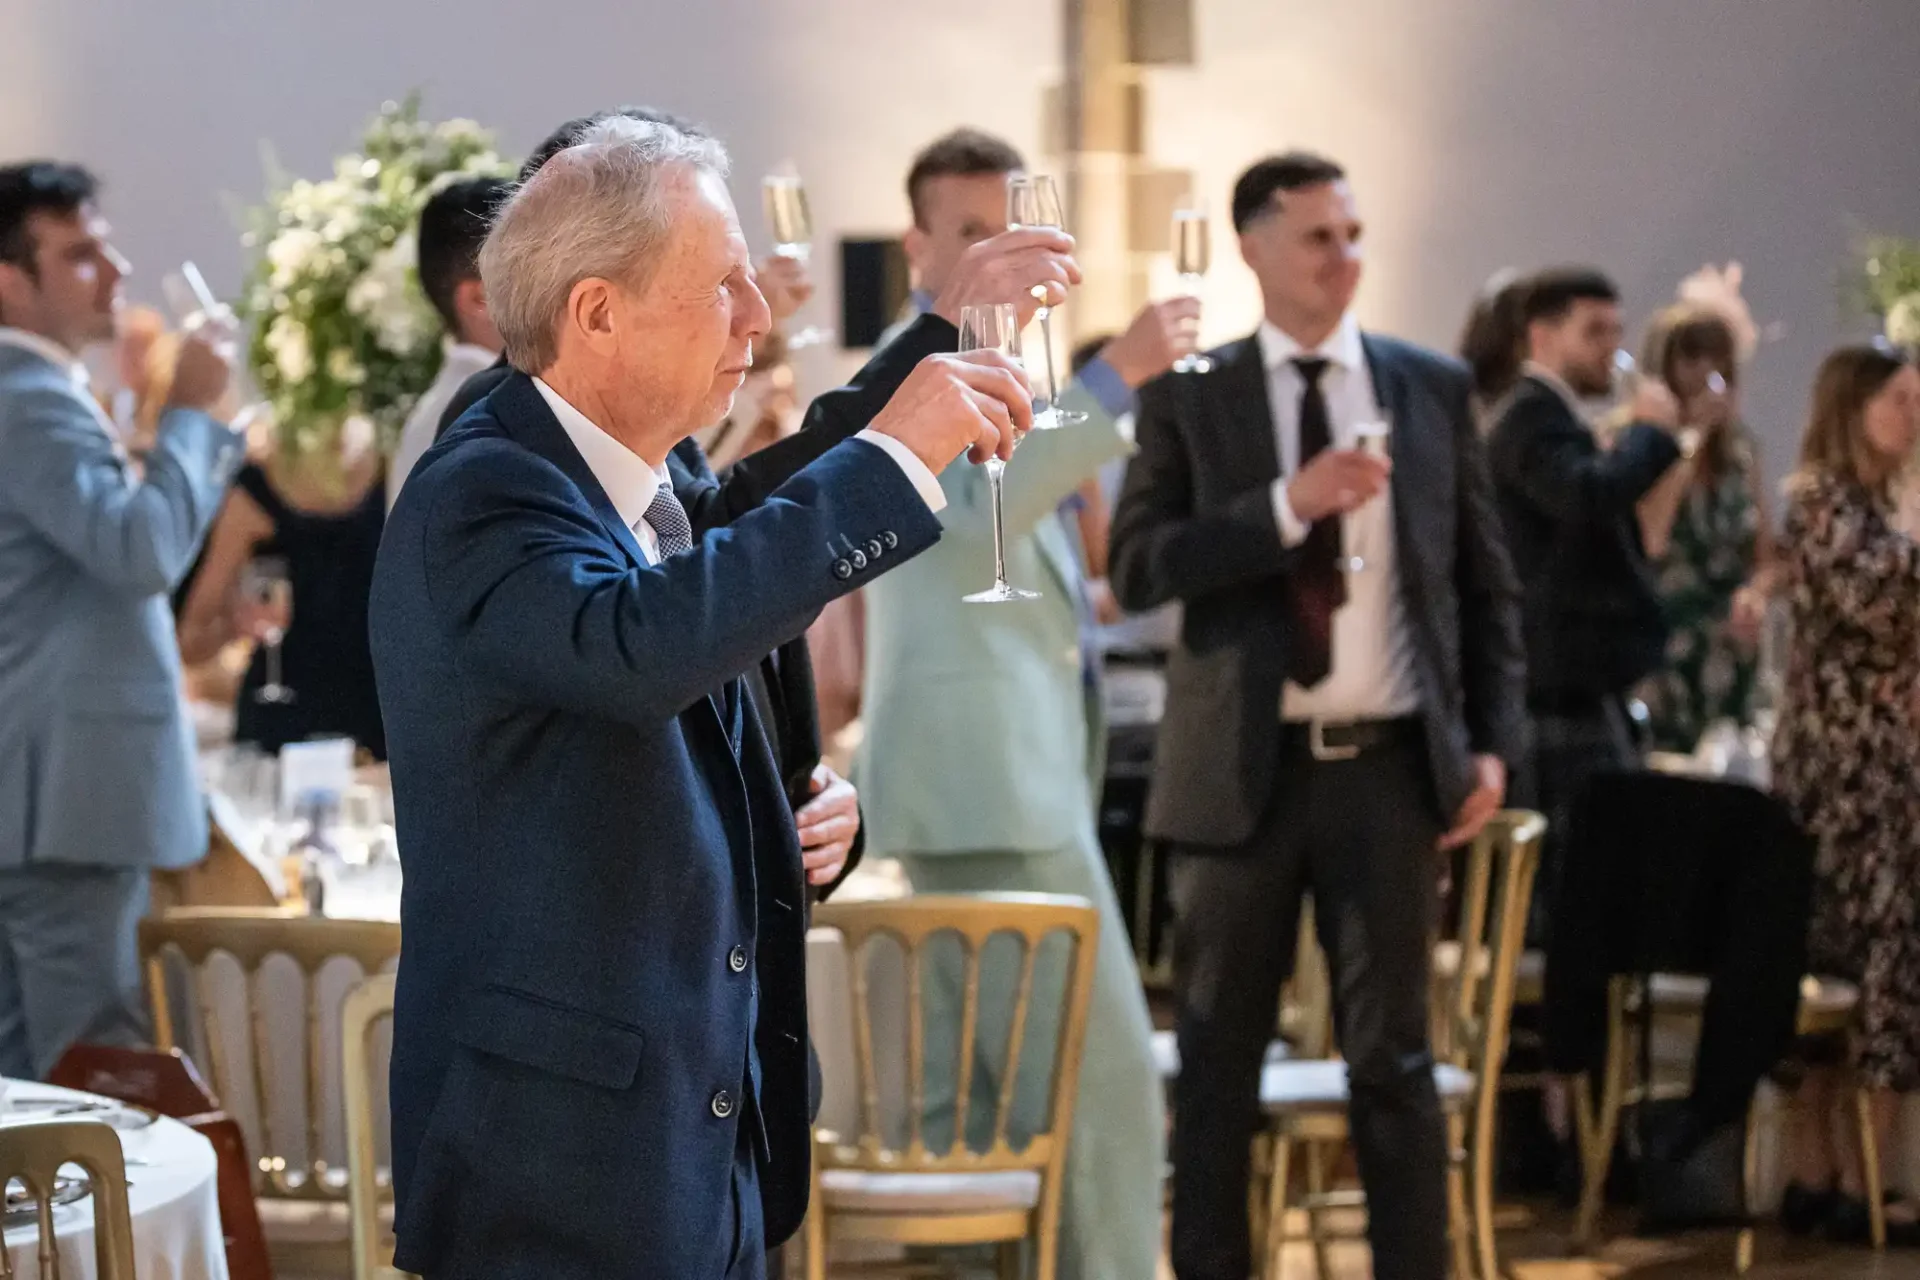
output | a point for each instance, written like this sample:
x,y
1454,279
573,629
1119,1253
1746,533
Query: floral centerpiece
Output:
x,y
1890,271
344,340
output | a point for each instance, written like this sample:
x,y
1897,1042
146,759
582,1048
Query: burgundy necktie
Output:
x,y
1319,588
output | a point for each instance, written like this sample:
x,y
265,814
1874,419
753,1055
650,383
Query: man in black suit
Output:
x,y
1593,620
1334,713
605,955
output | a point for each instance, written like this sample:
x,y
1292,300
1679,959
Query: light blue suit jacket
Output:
x,y
96,754
978,735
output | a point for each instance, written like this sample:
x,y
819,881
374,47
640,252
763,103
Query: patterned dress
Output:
x,y
1846,753
1708,676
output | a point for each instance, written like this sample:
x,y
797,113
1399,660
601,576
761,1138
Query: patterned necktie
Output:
x,y
672,532
1319,588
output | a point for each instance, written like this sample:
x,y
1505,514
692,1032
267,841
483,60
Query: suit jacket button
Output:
x,y
859,559
874,549
737,959
722,1104
891,539
842,570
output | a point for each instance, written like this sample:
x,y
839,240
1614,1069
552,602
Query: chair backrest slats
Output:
x,y
973,921
367,1006
249,939
34,1153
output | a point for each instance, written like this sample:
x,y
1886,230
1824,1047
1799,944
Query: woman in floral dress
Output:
x,y
1706,531
1846,757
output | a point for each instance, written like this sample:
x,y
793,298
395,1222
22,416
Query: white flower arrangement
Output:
x,y
343,338
1890,274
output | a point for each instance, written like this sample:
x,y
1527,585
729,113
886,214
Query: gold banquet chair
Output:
x,y
869,1185
285,1089
368,1006
34,1153
1306,1100
1827,1007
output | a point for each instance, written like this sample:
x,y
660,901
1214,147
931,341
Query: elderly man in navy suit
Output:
x,y
599,1064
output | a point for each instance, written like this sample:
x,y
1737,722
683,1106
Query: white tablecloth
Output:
x,y
172,1193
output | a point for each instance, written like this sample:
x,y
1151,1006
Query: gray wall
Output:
x,y
1646,135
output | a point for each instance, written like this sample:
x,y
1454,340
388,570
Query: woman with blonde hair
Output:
x,y
1846,759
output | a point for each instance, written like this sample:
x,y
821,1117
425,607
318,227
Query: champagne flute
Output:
x,y
266,586
1034,201
995,327
1192,254
792,224
1372,438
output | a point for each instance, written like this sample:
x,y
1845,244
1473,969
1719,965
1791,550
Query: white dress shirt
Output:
x,y
461,362
631,482
1372,677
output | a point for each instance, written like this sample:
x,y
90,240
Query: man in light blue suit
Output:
x,y
980,739
97,779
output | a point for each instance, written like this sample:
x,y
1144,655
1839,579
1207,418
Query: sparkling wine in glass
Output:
x,y
792,224
1192,255
995,327
1034,201
268,590
1372,438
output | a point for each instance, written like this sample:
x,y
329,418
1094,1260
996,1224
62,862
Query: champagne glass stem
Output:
x,y
995,470
1046,342
273,663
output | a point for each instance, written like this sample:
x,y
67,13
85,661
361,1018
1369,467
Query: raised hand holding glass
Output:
x,y
1034,201
995,328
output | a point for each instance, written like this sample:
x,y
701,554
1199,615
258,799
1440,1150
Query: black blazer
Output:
x,y
1195,523
1593,619
604,909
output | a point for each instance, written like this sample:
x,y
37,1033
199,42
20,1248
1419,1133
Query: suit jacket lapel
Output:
x,y
1414,463
1242,404
526,415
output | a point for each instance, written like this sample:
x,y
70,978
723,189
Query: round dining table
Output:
x,y
172,1192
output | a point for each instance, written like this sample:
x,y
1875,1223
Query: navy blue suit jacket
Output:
x,y
603,977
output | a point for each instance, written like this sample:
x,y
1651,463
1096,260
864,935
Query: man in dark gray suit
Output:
x,y
1344,698
97,782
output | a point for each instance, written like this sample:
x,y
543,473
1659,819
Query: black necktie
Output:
x,y
1319,588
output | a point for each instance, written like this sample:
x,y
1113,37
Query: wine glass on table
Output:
x,y
1192,255
995,327
266,592
1034,201
1370,438
792,224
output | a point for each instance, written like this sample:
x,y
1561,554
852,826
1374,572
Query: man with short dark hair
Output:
x,y
1593,619
95,750
961,700
1342,702
453,226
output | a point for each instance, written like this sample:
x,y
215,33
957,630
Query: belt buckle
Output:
x,y
1317,744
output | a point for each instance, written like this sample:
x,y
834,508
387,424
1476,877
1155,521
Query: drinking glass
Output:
x,y
1368,437
1034,201
995,327
266,585
792,225
1192,254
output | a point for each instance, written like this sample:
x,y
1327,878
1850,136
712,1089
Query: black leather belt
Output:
x,y
1346,739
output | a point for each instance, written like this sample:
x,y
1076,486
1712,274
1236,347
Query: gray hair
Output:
x,y
597,209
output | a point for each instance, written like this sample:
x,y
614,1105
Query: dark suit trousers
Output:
x,y
1359,835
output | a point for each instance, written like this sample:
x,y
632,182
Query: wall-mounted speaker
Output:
x,y
874,285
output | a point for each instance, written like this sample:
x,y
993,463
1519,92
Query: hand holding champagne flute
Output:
x,y
1034,201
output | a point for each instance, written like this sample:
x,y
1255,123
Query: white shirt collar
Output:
x,y
1554,381
463,360
1342,347
630,483
47,349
